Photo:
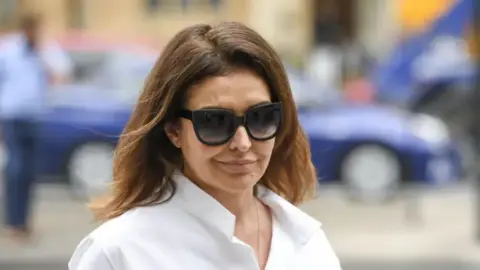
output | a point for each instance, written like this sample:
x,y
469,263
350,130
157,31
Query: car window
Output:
x,y
128,72
120,74
88,67
307,94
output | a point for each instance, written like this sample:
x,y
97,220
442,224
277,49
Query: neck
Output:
x,y
240,204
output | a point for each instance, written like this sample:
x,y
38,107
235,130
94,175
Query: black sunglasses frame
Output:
x,y
237,121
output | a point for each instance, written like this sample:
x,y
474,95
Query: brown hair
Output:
x,y
145,158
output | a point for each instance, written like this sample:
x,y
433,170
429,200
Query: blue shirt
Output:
x,y
24,76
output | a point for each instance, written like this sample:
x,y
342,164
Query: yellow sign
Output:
x,y
415,15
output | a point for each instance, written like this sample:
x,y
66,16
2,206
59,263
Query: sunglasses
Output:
x,y
218,126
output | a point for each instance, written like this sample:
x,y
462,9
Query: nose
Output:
x,y
241,140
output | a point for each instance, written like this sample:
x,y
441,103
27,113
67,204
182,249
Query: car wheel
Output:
x,y
371,173
90,169
468,155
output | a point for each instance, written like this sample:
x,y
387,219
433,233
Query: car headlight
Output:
x,y
429,128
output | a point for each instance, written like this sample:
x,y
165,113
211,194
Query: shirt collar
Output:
x,y
297,224
200,204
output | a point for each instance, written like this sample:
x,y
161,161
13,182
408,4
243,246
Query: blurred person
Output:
x,y
28,64
210,166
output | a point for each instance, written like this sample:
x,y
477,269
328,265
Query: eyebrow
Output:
x,y
223,108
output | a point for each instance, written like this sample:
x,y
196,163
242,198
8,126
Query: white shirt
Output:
x,y
194,231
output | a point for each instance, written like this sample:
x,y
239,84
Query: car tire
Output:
x,y
90,169
468,155
371,173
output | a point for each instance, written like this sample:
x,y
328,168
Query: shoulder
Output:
x,y
10,39
96,249
296,222
90,254
307,232
10,42
320,250
304,231
138,222
107,244
317,253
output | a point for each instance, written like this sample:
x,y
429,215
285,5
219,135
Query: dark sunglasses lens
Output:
x,y
263,122
213,126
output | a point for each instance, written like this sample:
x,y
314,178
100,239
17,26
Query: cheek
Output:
x,y
187,135
265,148
269,145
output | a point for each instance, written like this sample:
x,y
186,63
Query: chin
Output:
x,y
239,181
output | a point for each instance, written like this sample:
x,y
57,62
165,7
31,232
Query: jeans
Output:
x,y
19,140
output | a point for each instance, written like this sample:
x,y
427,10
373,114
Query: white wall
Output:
x,y
378,27
284,23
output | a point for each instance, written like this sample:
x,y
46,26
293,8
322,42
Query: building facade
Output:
x,y
287,24
284,23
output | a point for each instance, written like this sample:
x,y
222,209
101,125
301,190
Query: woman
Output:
x,y
209,166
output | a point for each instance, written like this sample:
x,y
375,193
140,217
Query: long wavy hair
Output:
x,y
145,158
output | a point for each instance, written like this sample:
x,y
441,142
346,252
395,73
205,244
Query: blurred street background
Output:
x,y
386,91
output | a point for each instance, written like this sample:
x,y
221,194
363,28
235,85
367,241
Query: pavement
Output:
x,y
433,230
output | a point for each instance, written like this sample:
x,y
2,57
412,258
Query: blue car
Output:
x,y
373,149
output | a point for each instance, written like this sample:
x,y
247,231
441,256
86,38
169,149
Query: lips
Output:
x,y
238,162
237,166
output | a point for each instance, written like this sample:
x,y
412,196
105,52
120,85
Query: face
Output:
x,y
33,35
235,164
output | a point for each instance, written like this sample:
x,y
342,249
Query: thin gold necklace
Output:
x,y
258,230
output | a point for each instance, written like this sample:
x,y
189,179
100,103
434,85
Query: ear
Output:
x,y
172,129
